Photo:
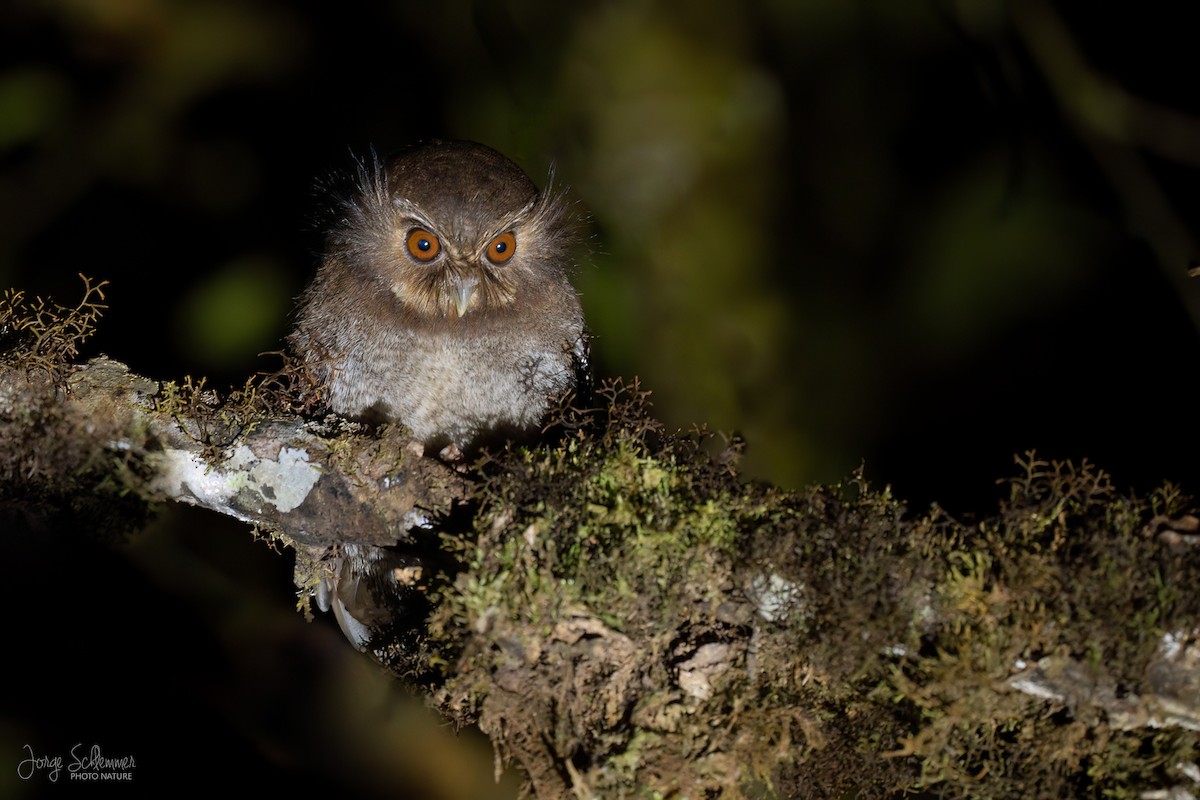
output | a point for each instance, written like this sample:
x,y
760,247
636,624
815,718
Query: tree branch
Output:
x,y
313,482
629,615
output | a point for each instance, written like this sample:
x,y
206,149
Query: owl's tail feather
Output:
x,y
372,590
329,596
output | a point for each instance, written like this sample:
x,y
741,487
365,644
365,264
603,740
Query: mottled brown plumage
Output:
x,y
443,301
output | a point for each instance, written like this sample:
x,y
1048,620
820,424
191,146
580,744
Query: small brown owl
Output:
x,y
443,303
443,300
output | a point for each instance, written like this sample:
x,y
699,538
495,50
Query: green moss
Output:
x,y
604,522
58,470
882,669
218,419
37,334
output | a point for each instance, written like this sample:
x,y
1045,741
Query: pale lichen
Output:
x,y
255,482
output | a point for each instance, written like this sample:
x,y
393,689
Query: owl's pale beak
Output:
x,y
463,293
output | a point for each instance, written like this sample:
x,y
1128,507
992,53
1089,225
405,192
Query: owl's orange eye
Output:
x,y
502,248
422,245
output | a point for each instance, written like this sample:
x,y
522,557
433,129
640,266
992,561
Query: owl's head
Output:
x,y
452,228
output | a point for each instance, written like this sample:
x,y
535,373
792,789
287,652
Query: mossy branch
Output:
x,y
310,481
627,617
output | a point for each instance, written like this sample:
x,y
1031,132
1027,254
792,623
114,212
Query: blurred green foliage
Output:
x,y
31,102
234,309
809,219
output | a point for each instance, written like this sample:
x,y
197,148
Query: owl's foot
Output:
x,y
451,454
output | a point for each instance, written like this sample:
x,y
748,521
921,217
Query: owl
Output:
x,y
443,302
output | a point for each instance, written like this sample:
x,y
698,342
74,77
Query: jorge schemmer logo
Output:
x,y
82,763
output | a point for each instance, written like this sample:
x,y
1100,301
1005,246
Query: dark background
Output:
x,y
922,236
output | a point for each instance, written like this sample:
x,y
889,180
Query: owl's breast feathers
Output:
x,y
449,380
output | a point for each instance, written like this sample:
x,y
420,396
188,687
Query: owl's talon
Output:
x,y
451,454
